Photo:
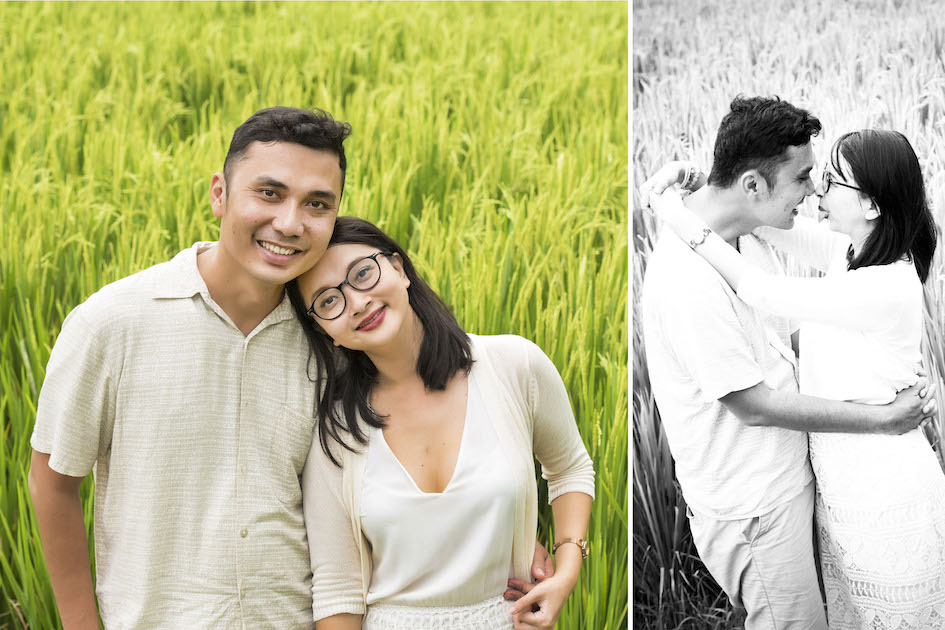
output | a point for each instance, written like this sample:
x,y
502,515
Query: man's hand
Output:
x,y
911,407
543,566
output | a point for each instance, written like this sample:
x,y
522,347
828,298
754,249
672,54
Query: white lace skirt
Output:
x,y
880,516
491,614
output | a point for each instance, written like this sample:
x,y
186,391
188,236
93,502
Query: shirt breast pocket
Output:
x,y
289,444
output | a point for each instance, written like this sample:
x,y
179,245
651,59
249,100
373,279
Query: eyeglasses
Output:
x,y
363,275
828,180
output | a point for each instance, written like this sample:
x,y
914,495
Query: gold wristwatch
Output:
x,y
580,542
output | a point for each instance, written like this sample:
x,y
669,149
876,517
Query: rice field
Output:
x,y
485,141
854,65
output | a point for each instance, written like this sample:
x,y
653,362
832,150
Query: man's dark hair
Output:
x,y
886,169
347,376
756,134
315,129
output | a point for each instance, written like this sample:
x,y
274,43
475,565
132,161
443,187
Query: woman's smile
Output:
x,y
373,320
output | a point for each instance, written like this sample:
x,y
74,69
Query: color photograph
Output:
x,y
314,315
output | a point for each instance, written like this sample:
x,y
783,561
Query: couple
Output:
x,y
338,446
753,430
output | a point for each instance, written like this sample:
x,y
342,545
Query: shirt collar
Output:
x,y
184,281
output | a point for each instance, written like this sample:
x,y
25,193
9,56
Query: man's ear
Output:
x,y
752,183
217,194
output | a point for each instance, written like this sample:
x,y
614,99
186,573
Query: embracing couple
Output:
x,y
290,421
775,440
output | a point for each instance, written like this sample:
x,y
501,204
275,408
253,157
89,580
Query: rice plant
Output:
x,y
484,140
854,65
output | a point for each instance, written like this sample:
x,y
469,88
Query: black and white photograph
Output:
x,y
788,291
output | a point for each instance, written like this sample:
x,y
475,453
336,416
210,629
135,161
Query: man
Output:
x,y
725,377
185,387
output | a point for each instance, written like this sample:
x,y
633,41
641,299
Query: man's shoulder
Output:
x,y
674,272
130,297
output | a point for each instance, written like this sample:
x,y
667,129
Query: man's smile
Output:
x,y
278,249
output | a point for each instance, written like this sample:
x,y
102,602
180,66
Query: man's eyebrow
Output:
x,y
327,195
265,180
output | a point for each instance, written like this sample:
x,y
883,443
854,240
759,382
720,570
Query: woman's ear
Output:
x,y
872,212
398,264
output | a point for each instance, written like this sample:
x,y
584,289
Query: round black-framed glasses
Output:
x,y
363,275
827,180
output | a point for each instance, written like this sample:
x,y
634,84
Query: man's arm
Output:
x,y
62,530
762,406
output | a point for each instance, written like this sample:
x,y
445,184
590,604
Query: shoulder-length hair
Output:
x,y
347,376
887,170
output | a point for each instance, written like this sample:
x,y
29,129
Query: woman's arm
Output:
x,y
806,241
686,174
337,593
571,511
809,243
694,231
339,622
858,299
570,474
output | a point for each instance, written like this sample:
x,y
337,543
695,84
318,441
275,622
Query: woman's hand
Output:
x,y
669,208
669,175
549,596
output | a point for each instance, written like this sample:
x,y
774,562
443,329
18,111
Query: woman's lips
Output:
x,y
373,320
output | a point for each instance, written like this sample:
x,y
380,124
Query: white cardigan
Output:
x,y
519,383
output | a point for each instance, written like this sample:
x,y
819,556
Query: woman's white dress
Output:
x,y
405,559
431,568
880,508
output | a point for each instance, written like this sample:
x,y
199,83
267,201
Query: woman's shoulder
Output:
x,y
508,350
900,274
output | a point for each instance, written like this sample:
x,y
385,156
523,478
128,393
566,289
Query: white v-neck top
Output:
x,y
447,548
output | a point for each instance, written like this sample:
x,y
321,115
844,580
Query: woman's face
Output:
x,y
371,318
846,209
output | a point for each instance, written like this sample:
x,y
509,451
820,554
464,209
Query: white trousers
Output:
x,y
765,564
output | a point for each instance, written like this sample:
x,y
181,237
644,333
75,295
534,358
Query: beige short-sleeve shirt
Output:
x,y
702,343
197,436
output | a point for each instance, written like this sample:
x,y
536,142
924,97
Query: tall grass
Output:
x,y
485,140
854,65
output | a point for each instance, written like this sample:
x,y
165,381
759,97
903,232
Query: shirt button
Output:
x,y
243,533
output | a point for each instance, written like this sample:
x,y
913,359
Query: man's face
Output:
x,y
278,209
792,184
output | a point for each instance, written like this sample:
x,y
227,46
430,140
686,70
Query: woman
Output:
x,y
420,498
880,508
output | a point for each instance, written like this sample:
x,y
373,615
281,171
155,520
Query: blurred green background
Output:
x,y
489,139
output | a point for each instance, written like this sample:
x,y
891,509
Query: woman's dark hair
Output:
x,y
886,169
347,375
756,134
